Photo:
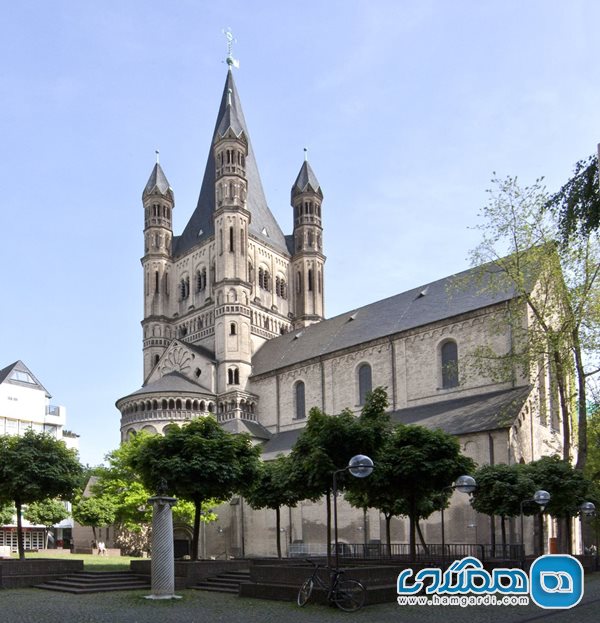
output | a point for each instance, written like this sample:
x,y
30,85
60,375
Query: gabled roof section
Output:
x,y
471,414
172,382
18,373
440,300
461,416
306,181
263,224
158,184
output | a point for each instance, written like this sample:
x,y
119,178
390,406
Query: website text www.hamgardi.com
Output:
x,y
463,601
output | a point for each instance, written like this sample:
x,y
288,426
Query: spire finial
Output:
x,y
306,154
232,62
157,156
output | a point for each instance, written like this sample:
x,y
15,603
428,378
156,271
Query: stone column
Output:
x,y
163,557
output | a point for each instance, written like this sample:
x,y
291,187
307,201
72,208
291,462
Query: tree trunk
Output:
x,y
20,542
388,533
418,526
503,529
564,405
413,536
328,504
493,534
581,403
196,533
278,528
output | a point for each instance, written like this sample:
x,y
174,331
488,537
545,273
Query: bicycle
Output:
x,y
347,594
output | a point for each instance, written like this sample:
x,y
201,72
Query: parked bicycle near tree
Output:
x,y
347,594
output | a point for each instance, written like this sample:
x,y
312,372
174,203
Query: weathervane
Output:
x,y
230,41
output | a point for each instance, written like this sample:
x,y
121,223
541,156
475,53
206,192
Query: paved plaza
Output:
x,y
36,606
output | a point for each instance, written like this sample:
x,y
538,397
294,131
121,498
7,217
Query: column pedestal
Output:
x,y
163,558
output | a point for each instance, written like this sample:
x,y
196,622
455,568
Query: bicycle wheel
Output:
x,y
305,592
349,595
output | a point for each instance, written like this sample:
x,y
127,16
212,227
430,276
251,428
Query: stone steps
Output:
x,y
96,582
228,582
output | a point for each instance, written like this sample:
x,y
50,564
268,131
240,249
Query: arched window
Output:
x,y
232,328
365,382
300,400
156,359
310,280
449,361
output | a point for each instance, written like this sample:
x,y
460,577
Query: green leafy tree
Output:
x,y
328,442
568,488
7,512
46,513
418,464
273,489
500,490
33,468
94,511
577,203
200,462
554,313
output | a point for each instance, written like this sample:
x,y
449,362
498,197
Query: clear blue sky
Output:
x,y
406,107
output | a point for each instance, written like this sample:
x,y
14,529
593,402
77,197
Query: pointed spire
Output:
x,y
201,224
158,184
306,180
231,119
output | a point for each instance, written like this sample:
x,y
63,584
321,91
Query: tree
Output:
x,y
577,203
327,443
568,488
46,513
418,463
500,490
200,462
554,312
35,467
273,489
94,511
7,512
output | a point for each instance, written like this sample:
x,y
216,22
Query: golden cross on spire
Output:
x,y
230,41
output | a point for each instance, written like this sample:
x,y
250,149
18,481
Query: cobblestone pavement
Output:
x,y
37,606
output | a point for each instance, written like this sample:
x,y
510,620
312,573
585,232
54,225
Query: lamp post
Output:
x,y
586,509
360,466
542,498
464,484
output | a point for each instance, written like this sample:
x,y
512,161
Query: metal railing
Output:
x,y
401,551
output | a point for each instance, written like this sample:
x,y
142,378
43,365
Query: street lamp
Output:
x,y
586,509
542,498
360,466
464,484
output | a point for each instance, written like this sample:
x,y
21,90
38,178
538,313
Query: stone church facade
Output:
x,y
234,327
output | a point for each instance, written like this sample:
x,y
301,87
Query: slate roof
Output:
x,y
158,183
306,180
439,300
19,366
254,429
263,224
172,382
471,414
460,416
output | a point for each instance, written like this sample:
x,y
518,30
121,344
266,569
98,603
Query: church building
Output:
x,y
234,326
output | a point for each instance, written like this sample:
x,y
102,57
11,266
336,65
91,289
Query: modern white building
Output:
x,y
24,405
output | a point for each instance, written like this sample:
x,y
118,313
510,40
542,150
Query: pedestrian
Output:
x,y
101,548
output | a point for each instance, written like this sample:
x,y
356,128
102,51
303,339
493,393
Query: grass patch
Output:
x,y
90,562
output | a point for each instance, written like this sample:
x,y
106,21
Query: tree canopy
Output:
x,y
199,462
35,467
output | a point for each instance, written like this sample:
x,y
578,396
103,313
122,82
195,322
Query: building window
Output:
x,y
365,382
231,242
310,280
201,280
449,361
300,401
233,376
232,328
